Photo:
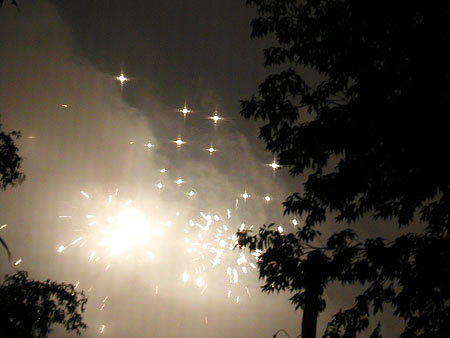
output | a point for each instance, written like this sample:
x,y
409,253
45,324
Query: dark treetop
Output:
x,y
373,133
28,308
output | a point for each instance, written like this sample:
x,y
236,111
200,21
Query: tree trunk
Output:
x,y
310,314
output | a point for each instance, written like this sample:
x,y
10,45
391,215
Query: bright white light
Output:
x,y
199,282
132,229
211,150
294,221
5,225
85,195
18,262
163,170
149,145
267,198
280,229
61,248
179,142
121,78
102,329
185,277
191,193
274,165
241,259
215,118
179,181
159,185
184,110
245,195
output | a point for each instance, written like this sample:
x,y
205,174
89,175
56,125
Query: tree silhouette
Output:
x,y
28,308
13,2
10,161
373,136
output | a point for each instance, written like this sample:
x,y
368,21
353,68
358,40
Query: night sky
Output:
x,y
82,131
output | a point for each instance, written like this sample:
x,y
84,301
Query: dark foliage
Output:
x,y
10,160
28,308
374,135
13,2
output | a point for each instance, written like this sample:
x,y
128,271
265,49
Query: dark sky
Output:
x,y
199,52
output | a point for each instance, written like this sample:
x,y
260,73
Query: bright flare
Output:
x,y
129,230
274,165
185,111
215,118
179,142
121,78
